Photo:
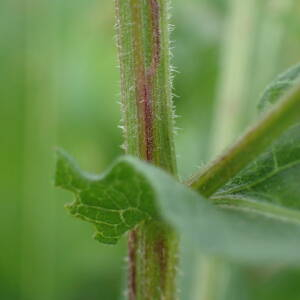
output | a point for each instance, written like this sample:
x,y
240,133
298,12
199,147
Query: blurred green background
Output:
x,y
60,87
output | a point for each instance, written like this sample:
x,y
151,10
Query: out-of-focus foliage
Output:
x,y
60,85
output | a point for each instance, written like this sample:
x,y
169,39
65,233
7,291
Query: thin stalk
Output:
x,y
212,280
143,44
250,145
235,73
270,42
252,47
231,102
270,47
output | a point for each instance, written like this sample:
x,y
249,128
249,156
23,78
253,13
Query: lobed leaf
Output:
x,y
133,191
259,217
114,202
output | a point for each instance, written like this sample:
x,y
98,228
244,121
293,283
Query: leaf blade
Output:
x,y
273,178
234,235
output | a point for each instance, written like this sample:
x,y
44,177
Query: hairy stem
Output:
x,y
143,44
250,145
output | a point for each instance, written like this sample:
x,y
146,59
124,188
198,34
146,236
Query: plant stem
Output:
x,y
212,280
251,51
269,47
233,84
250,145
231,103
143,44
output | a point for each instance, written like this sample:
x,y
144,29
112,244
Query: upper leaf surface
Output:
x,y
112,201
132,191
274,177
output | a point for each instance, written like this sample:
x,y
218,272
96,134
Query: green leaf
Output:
x,y
270,185
114,202
279,87
256,140
133,191
274,178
